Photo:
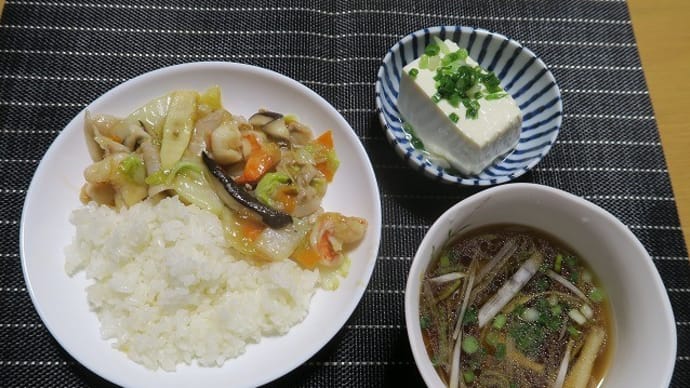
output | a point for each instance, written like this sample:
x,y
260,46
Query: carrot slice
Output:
x,y
251,229
306,256
286,196
261,160
326,139
326,170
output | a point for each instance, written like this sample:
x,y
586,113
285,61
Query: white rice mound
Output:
x,y
168,291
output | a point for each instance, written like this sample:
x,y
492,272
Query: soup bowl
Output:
x,y
643,327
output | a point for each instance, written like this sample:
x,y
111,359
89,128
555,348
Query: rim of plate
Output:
x,y
374,223
386,106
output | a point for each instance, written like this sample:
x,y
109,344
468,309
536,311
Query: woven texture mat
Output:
x,y
56,57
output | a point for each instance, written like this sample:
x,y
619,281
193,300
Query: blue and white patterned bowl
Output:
x,y
522,74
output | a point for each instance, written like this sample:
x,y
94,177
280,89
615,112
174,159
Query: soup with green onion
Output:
x,y
510,306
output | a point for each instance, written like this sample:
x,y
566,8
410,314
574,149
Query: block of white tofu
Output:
x,y
469,145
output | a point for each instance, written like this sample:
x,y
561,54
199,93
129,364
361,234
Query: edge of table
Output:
x,y
663,40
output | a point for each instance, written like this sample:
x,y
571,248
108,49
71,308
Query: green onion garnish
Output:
x,y
596,295
556,310
472,106
500,351
495,96
441,44
499,321
557,263
436,98
432,49
424,61
492,338
470,344
468,376
413,72
453,117
424,322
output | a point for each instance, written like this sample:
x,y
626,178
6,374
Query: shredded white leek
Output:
x,y
565,283
577,316
447,277
466,299
563,369
587,311
509,289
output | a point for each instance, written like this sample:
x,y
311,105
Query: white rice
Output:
x,y
168,291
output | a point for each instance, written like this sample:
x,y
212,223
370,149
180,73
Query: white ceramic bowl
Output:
x,y
644,327
522,74
54,192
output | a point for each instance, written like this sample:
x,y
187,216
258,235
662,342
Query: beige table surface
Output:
x,y
662,31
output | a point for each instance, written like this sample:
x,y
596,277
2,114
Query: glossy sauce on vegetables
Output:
x,y
534,310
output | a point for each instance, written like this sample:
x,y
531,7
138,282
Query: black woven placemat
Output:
x,y
57,56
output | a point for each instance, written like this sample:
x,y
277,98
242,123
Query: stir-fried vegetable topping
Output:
x,y
264,177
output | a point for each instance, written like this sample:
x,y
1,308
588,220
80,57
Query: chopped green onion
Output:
x,y
454,100
432,49
470,316
491,82
434,62
412,136
557,263
444,260
453,117
462,54
556,310
468,376
499,321
571,261
424,61
492,338
500,351
573,331
424,322
472,108
596,295
441,44
470,344
413,72
436,98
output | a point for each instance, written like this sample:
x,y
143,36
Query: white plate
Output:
x,y
54,193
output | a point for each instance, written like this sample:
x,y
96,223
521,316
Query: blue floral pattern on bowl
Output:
x,y
522,74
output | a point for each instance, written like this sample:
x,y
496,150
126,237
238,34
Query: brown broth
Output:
x,y
540,340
